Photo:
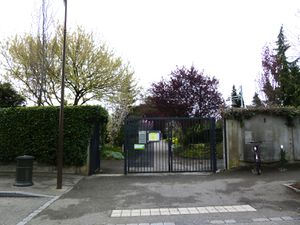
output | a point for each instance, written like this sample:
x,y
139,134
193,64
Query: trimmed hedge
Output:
x,y
34,131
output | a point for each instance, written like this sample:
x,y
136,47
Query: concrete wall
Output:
x,y
271,131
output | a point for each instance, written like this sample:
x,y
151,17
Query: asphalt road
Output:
x,y
94,198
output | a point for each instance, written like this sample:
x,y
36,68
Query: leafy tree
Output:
x,y
256,102
92,70
121,106
9,97
280,80
44,21
188,92
146,109
269,81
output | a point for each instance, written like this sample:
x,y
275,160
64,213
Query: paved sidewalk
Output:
x,y
19,204
237,197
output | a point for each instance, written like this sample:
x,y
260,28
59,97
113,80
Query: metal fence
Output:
x,y
155,145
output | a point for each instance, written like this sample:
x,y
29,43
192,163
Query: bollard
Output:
x,y
24,171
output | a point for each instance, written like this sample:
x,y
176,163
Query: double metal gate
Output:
x,y
169,145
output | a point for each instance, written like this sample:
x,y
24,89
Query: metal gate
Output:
x,y
169,145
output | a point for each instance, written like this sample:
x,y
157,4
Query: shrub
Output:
x,y
34,131
112,152
198,151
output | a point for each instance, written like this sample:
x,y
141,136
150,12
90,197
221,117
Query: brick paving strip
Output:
x,y
160,223
226,221
181,211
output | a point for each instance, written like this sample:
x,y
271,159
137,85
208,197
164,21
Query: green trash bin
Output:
x,y
24,171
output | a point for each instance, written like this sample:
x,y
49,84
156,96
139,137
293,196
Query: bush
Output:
x,y
34,131
198,151
112,152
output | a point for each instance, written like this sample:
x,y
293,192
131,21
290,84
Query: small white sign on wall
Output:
x,y
142,137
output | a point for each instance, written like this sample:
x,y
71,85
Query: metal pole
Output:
x,y
61,111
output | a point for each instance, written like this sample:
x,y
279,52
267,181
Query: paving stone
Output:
x,y
238,208
116,213
260,220
287,218
183,211
230,221
230,208
220,209
164,211
154,212
174,211
217,222
193,211
248,208
136,212
145,212
275,219
125,213
202,210
211,209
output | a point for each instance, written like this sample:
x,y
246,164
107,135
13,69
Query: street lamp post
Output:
x,y
61,111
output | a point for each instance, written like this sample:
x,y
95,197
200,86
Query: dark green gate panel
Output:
x,y
169,145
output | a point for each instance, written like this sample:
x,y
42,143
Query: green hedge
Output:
x,y
34,131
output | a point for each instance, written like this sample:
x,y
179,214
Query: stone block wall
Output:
x,y
271,131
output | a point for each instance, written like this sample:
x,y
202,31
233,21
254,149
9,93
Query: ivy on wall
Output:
x,y
240,114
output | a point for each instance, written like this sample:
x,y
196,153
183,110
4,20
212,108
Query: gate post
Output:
x,y
213,144
170,154
125,146
94,154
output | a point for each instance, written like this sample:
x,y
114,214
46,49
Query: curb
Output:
x,y
154,174
20,194
291,187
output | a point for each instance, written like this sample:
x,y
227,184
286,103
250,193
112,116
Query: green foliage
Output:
x,y
9,97
111,152
280,80
256,101
241,114
219,149
198,151
34,131
93,71
195,151
175,141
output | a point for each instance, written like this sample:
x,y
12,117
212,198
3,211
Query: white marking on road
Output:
x,y
230,221
260,220
275,219
34,213
159,223
182,211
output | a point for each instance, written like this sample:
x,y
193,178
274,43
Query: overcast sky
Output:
x,y
222,37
